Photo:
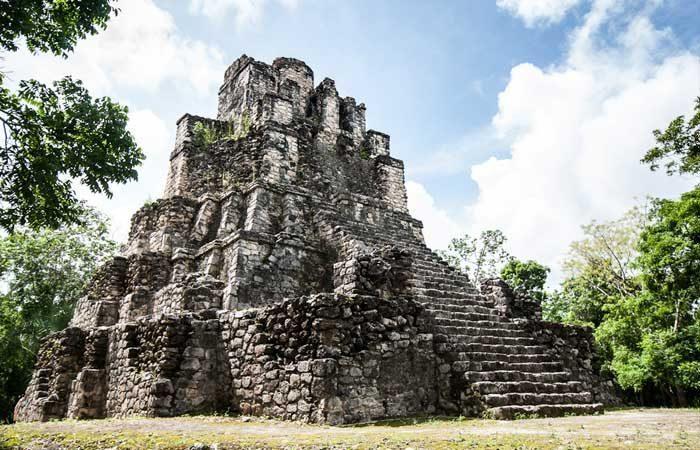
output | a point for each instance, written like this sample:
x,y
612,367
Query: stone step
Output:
x,y
438,271
457,336
516,375
456,305
514,358
437,309
491,348
438,302
504,387
421,282
534,398
525,411
478,331
490,366
457,319
431,277
445,293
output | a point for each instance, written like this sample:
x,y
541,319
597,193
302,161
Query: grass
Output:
x,y
629,429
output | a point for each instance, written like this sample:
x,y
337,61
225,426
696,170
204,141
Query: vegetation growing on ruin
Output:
x,y
206,134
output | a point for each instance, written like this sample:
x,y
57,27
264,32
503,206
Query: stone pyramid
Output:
x,y
282,275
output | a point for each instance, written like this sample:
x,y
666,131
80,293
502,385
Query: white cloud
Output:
x,y
141,48
534,12
156,139
246,12
578,131
438,227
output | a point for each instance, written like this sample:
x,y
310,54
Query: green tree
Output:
x,y
555,307
481,257
670,256
54,136
678,147
42,273
651,337
51,25
528,277
600,268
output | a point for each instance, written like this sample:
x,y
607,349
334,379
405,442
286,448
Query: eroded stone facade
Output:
x,y
281,275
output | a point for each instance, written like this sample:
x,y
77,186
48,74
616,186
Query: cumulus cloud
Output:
x,y
438,227
534,12
155,137
578,130
246,12
141,48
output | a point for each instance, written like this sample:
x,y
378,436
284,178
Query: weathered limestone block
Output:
x,y
352,119
161,226
383,272
575,346
314,359
378,143
327,106
60,358
510,303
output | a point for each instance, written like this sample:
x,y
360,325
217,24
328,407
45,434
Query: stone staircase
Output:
x,y
499,367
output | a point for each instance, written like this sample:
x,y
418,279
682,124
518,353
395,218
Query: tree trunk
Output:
x,y
677,319
681,399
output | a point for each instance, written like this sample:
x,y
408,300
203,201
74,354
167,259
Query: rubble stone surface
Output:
x,y
281,275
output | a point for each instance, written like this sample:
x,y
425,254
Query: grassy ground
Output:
x,y
628,429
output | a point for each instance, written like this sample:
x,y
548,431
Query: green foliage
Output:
x,y
654,337
528,277
364,153
670,256
555,307
678,147
42,274
51,25
53,136
635,280
245,126
600,270
481,257
204,134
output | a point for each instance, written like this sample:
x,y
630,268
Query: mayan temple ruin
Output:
x,y
281,275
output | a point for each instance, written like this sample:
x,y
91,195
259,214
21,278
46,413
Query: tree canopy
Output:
x,y
528,277
481,257
53,136
51,25
42,274
678,147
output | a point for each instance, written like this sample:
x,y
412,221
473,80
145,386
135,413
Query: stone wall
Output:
x,y
575,346
330,359
325,358
59,360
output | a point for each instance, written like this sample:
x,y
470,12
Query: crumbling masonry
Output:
x,y
281,275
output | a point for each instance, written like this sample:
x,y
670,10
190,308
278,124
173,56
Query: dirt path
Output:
x,y
634,428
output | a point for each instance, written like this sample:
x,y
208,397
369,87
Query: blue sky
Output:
x,y
524,115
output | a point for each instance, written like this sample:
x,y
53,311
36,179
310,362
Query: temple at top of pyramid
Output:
x,y
282,275
251,197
